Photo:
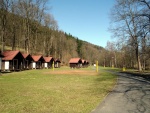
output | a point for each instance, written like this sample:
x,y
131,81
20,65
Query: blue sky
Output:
x,y
86,19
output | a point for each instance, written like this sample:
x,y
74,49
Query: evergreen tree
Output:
x,y
79,45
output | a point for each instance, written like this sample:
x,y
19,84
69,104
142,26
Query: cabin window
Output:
x,y
27,63
15,64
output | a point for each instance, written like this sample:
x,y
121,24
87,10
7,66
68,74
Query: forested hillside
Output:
x,y
27,26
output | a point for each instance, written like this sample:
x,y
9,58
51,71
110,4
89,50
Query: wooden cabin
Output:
x,y
57,63
75,63
27,61
87,63
48,62
83,63
12,61
37,61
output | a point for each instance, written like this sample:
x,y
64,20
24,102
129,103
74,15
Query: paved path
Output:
x,y
131,95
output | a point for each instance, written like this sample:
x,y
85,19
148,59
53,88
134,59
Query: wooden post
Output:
x,y
123,69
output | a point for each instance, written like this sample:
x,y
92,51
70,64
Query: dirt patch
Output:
x,y
73,72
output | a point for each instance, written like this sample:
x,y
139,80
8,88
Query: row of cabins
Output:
x,y
16,61
78,63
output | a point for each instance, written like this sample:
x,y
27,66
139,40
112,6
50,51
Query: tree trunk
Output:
x,y
3,32
14,38
138,59
2,41
115,60
104,62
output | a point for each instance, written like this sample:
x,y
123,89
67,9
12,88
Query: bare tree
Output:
x,y
31,11
124,17
4,9
111,47
50,26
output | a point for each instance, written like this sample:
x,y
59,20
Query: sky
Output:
x,y
87,20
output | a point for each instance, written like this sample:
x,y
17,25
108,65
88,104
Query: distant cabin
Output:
x,y
83,63
48,62
38,61
87,63
12,61
75,63
57,63
27,61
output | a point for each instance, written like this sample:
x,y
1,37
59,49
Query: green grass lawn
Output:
x,y
134,72
111,69
63,90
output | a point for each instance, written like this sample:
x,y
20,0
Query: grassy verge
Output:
x,y
111,69
63,90
145,74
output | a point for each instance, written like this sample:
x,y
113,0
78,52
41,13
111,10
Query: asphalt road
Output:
x,y
130,95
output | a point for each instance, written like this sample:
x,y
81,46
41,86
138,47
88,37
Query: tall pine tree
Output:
x,y
79,45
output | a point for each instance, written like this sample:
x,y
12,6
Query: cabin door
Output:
x,y
34,65
45,65
26,64
39,65
6,65
15,64
57,64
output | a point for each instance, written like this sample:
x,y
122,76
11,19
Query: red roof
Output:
x,y
48,59
25,55
36,58
9,55
83,61
74,60
57,60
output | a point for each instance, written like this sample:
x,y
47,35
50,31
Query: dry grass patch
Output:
x,y
73,72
